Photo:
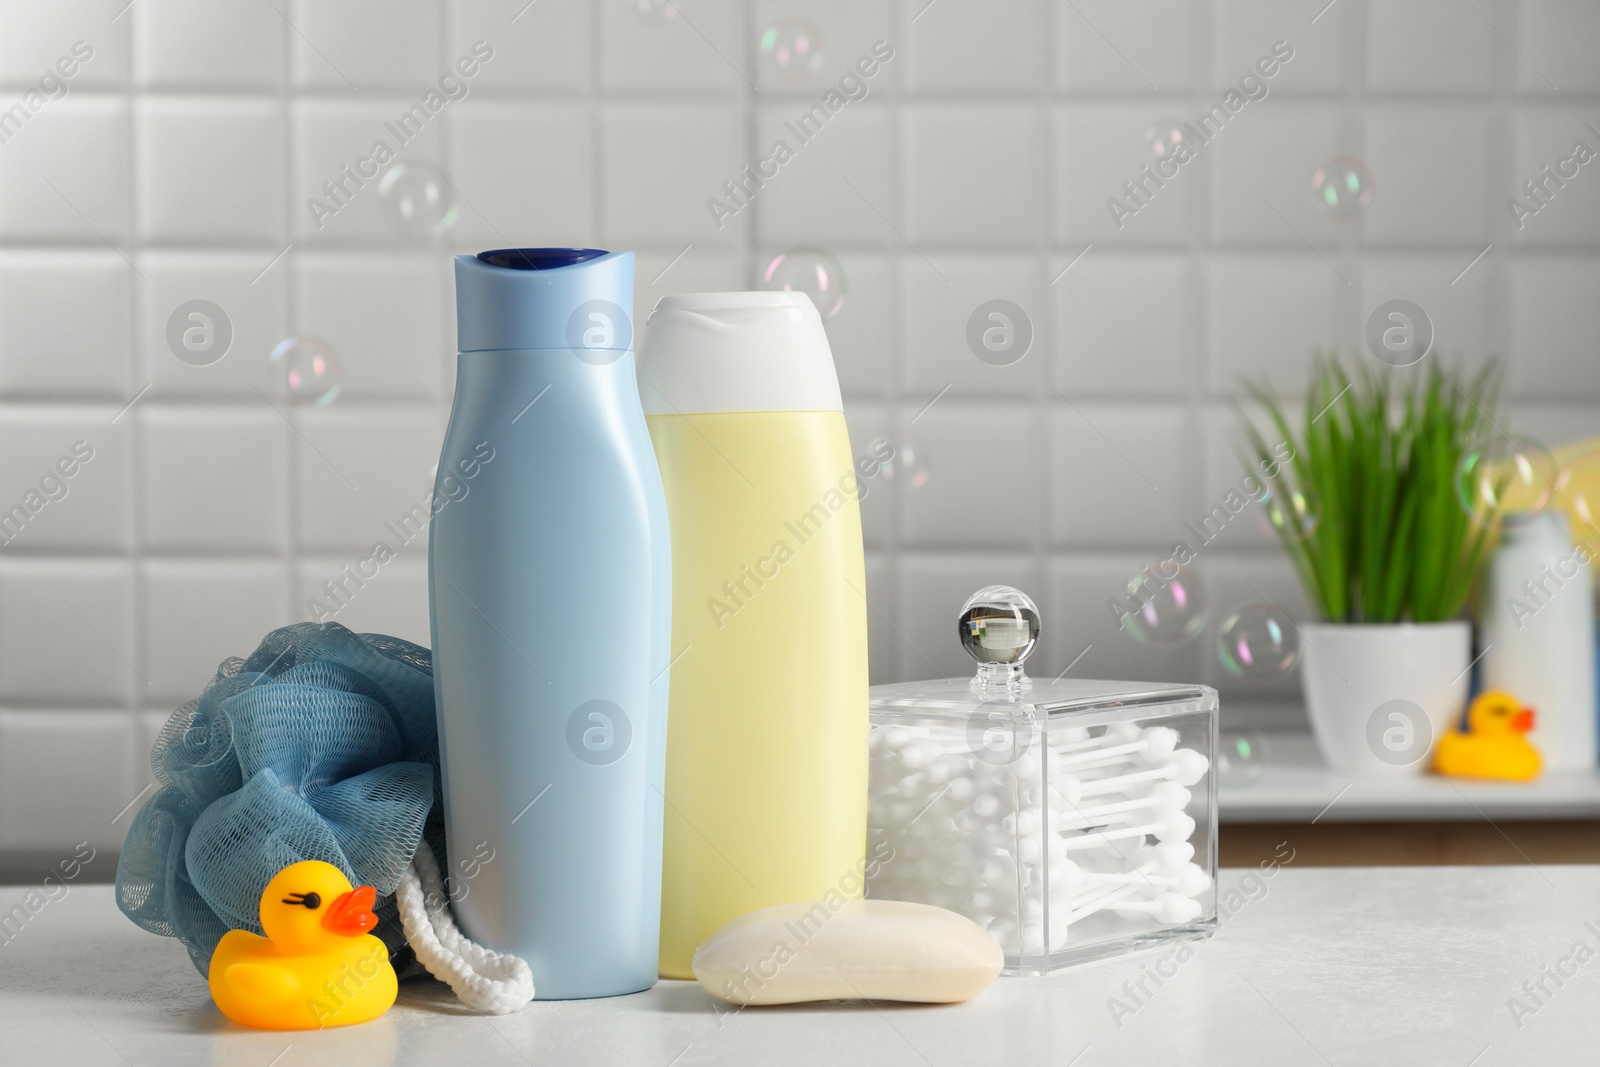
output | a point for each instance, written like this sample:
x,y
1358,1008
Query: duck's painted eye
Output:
x,y
310,901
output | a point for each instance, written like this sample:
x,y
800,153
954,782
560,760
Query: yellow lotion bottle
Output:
x,y
766,782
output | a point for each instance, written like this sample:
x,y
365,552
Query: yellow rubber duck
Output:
x,y
316,967
1494,745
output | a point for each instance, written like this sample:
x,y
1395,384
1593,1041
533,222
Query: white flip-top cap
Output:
x,y
728,352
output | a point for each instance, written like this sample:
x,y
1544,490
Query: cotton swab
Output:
x,y
1165,861
1162,796
1185,766
1076,738
1167,908
1112,894
1167,856
1083,907
1155,746
1171,826
1189,880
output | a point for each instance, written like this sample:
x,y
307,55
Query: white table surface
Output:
x,y
1296,786
1315,966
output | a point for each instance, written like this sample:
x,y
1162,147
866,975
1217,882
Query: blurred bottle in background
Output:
x,y
1538,634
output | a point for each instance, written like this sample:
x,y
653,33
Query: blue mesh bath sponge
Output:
x,y
320,746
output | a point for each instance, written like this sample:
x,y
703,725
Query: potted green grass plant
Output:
x,y
1393,555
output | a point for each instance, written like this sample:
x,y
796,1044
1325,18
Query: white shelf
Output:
x,y
1296,786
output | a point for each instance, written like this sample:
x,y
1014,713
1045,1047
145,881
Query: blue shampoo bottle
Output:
x,y
549,586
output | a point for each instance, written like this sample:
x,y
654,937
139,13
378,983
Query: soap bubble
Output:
x,y
1164,137
1289,513
907,465
1342,186
1579,492
792,48
811,271
652,10
1503,474
1241,757
305,370
1258,642
418,199
1172,609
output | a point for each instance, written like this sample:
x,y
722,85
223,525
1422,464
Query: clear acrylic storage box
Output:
x,y
1072,819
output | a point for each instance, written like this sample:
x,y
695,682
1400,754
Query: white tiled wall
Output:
x,y
178,167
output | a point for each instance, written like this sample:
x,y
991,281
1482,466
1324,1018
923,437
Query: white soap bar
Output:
x,y
851,950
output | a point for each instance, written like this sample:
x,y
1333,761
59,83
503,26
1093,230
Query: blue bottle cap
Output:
x,y
560,298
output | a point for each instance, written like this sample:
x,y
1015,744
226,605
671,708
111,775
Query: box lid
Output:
x,y
999,628
957,697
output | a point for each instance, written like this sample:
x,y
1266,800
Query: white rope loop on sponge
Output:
x,y
494,983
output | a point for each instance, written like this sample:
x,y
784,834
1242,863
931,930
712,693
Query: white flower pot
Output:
x,y
1379,696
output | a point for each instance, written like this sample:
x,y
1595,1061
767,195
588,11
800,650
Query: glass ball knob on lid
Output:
x,y
999,627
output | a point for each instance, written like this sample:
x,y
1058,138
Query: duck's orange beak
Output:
x,y
351,913
1522,721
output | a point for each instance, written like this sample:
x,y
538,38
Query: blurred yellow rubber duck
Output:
x,y
1494,745
318,966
